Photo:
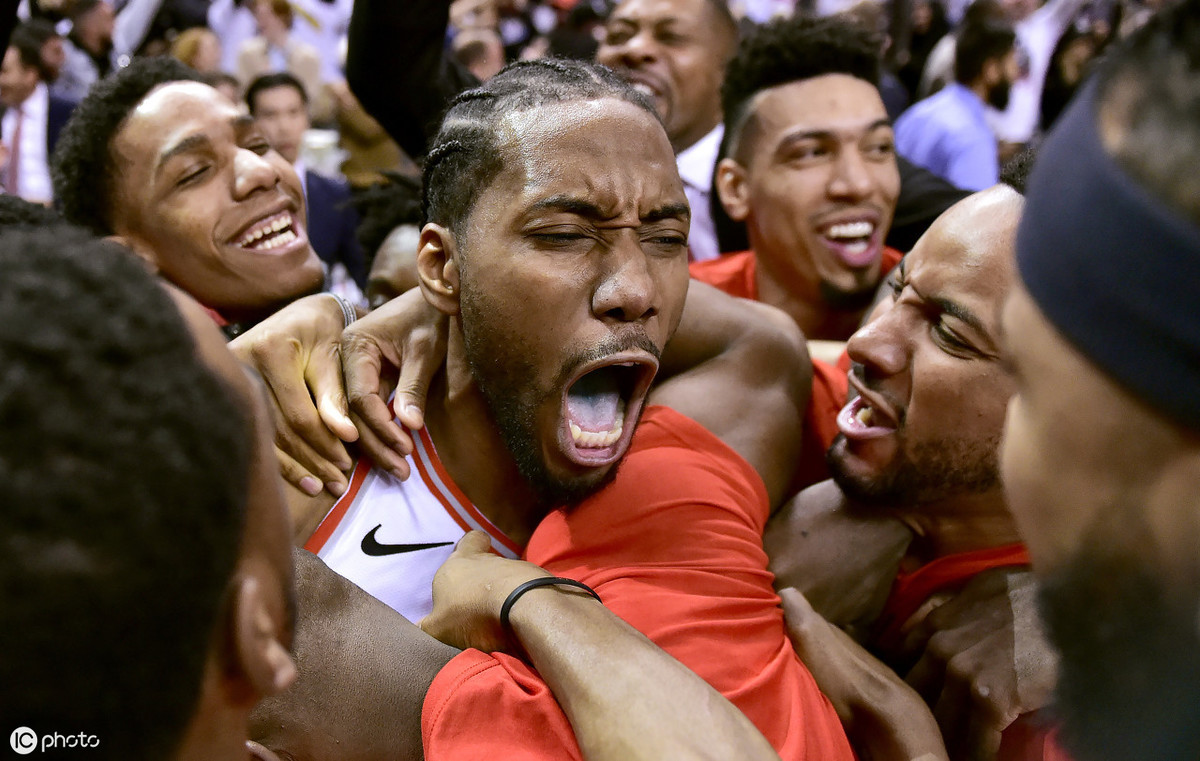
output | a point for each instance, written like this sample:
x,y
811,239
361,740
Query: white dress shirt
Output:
x,y
696,166
33,169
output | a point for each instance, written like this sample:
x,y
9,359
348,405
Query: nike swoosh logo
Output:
x,y
376,550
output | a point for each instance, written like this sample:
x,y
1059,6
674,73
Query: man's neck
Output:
x,y
964,523
694,134
801,298
472,450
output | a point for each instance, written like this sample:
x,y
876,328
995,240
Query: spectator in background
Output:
x,y
49,42
32,120
1038,31
279,104
948,133
480,51
275,49
226,84
101,42
389,234
88,48
199,48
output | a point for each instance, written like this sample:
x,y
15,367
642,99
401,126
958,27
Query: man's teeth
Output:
x,y
596,440
644,89
283,222
866,416
279,240
851,230
599,439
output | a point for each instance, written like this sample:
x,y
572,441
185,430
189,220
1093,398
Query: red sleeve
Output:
x,y
732,273
493,708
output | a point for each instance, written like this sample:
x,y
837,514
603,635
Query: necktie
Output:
x,y
14,156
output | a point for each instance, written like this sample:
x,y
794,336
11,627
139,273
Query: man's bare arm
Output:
x,y
740,369
626,699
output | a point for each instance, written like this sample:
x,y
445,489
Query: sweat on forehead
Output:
x,y
82,167
464,157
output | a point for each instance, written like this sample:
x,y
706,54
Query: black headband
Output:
x,y
1115,269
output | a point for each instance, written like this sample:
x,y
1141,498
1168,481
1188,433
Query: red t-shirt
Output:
x,y
674,547
945,574
735,274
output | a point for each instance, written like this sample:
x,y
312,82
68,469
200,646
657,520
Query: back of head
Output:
x,y
980,41
124,464
27,40
465,155
1108,251
83,163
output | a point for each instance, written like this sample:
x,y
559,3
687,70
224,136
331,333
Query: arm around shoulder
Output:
x,y
741,369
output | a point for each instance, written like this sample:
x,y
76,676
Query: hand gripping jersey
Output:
x,y
390,536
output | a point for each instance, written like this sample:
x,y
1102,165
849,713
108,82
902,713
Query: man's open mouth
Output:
x,y
855,243
270,233
601,408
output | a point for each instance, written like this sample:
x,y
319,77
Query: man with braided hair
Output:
x,y
555,180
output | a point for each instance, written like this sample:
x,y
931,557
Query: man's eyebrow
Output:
x,y
824,134
670,211
589,210
189,144
242,122
960,312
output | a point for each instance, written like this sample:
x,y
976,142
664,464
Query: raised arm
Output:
x,y
398,67
740,369
626,699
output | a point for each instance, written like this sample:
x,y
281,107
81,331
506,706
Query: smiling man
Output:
x,y
811,171
170,166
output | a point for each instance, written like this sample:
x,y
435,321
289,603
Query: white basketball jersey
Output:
x,y
390,536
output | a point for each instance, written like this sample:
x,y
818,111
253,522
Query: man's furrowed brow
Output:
x,y
960,312
568,205
670,211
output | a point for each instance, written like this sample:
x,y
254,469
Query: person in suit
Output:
x,y
279,103
31,122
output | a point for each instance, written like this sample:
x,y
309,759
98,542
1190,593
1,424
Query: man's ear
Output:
x,y
733,190
437,268
261,657
143,253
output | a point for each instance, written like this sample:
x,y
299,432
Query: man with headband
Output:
x,y
1102,448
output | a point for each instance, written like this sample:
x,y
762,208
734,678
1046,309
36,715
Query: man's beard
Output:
x,y
998,95
501,370
1129,679
930,471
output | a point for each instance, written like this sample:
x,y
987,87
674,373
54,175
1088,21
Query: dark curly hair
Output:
x,y
83,164
124,464
384,206
466,155
790,50
779,52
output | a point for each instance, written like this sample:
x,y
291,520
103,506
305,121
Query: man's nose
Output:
x,y
253,172
626,292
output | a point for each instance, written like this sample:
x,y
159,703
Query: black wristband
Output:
x,y
541,581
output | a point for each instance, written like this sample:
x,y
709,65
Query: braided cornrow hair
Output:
x,y
466,155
